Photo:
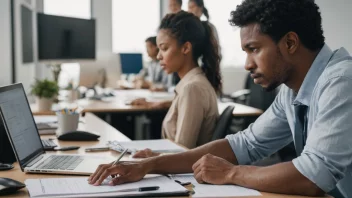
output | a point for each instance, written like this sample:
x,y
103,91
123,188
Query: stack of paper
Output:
x,y
209,190
79,187
47,125
161,146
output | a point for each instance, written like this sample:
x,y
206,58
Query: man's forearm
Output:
x,y
280,178
182,162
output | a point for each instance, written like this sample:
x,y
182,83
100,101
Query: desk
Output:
x,y
117,104
107,133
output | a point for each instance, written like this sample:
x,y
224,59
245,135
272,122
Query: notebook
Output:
x,y
160,146
79,187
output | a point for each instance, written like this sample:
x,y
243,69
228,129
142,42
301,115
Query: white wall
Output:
x,y
5,43
164,4
105,58
25,73
337,26
102,12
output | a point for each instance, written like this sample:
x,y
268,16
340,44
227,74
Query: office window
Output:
x,y
68,8
132,22
230,42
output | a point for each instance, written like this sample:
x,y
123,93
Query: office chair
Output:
x,y
254,95
223,123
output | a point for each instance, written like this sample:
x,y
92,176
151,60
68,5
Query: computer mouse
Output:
x,y
9,186
5,166
78,136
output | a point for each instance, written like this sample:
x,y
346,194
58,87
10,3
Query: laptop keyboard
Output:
x,y
61,162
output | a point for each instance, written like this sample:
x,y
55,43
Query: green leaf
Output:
x,y
45,88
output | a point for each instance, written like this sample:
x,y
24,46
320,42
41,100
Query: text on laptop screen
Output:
x,y
19,121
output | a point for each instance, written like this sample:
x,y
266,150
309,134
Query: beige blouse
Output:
x,y
193,114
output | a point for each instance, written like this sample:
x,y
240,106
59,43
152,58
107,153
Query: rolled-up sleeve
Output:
x,y
328,151
268,134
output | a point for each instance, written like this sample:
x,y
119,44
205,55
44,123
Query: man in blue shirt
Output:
x,y
285,45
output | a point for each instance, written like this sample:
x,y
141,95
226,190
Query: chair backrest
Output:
x,y
223,123
258,97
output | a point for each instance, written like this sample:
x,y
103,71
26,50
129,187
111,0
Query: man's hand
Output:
x,y
121,173
150,105
213,170
145,154
139,102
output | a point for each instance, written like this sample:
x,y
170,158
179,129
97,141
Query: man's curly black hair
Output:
x,y
278,17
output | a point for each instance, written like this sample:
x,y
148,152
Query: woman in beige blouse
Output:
x,y
182,40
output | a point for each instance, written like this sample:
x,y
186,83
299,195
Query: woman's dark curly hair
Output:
x,y
185,27
278,17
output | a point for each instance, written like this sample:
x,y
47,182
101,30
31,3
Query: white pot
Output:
x,y
44,104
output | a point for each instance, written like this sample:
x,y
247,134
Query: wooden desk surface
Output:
x,y
107,132
118,104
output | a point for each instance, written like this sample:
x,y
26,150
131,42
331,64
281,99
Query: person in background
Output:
x,y
285,44
175,6
198,8
152,77
182,40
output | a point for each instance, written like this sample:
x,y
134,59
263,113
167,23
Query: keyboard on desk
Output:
x,y
60,162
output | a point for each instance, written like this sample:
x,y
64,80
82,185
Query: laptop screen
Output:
x,y
19,123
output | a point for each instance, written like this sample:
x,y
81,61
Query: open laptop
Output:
x,y
23,134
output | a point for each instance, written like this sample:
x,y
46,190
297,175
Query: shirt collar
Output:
x,y
321,61
187,78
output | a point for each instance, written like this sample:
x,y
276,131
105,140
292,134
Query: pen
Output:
x,y
97,149
141,189
68,148
118,159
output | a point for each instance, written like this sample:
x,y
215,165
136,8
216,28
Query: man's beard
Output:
x,y
272,86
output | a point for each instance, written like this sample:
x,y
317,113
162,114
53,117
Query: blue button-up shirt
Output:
x,y
326,90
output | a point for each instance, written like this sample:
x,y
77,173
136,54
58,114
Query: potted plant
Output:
x,y
45,92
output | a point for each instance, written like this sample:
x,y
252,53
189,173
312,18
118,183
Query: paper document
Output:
x,y
157,96
47,125
209,190
79,187
45,119
161,146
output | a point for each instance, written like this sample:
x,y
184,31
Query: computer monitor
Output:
x,y
65,38
131,63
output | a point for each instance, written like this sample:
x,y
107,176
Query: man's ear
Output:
x,y
291,41
186,48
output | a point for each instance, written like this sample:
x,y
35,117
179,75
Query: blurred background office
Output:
x,y
123,26
110,28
